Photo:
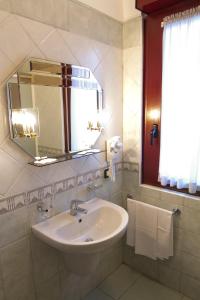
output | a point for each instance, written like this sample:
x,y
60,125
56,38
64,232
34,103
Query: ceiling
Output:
x,y
121,10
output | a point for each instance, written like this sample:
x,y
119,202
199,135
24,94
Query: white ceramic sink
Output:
x,y
102,226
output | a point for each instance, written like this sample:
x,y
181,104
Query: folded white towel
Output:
x,y
131,208
164,234
146,230
150,230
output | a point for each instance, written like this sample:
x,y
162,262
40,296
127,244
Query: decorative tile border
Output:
x,y
28,198
13,203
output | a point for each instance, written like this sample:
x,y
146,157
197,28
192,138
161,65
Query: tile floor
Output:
x,y
127,284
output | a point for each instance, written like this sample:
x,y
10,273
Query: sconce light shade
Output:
x,y
25,123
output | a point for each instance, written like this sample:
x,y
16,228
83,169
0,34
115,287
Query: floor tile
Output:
x,y
146,289
186,298
97,295
119,281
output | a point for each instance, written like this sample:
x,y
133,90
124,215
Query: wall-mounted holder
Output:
x,y
114,150
154,133
175,211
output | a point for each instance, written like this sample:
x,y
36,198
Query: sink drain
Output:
x,y
89,240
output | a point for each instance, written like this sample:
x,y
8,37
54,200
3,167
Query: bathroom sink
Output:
x,y
104,224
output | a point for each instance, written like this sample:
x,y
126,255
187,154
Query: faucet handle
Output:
x,y
93,187
74,208
41,207
76,201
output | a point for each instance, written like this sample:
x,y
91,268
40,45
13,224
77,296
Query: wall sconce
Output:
x,y
154,116
25,123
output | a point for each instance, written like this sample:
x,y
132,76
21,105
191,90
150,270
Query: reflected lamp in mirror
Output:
x,y
25,123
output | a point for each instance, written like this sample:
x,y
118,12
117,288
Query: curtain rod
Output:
x,y
181,15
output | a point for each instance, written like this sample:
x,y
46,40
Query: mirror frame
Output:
x,y
71,76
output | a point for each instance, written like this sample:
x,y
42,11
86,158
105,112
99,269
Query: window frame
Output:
x,y
152,87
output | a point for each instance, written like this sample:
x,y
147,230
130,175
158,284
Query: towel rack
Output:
x,y
175,211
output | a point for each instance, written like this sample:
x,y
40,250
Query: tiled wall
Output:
x,y
21,38
70,15
30,269
181,272
132,89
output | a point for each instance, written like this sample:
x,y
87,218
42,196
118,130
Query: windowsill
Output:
x,y
165,190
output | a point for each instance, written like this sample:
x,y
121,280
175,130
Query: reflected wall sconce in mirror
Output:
x,y
96,126
25,123
154,116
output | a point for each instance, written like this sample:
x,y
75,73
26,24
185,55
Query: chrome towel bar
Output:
x,y
175,211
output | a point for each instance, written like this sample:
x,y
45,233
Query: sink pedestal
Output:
x,y
81,263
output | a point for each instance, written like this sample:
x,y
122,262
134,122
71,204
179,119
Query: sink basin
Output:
x,y
83,236
104,224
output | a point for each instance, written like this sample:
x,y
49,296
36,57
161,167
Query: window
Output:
x,y
180,118
152,94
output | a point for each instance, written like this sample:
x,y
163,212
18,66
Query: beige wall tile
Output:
x,y
36,9
49,290
85,54
115,33
61,14
45,261
132,33
12,34
190,243
22,288
17,270
37,31
99,27
191,265
169,277
143,264
56,49
11,170
16,260
13,226
79,17
110,260
69,283
190,220
190,287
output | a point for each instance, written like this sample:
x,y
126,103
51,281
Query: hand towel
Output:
x,y
164,234
131,208
146,230
150,230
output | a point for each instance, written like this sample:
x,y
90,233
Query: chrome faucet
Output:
x,y
75,209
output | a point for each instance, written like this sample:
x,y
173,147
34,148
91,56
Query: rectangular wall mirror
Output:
x,y
54,110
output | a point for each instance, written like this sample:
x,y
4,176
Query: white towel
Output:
x,y
164,234
146,230
150,230
131,208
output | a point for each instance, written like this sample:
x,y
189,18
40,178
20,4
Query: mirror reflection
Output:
x,y
55,108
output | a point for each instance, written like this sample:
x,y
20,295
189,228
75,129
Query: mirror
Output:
x,y
54,109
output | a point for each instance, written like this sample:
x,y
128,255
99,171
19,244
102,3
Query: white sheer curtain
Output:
x,y
180,114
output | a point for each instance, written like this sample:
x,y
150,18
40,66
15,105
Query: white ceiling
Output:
x,y
122,10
